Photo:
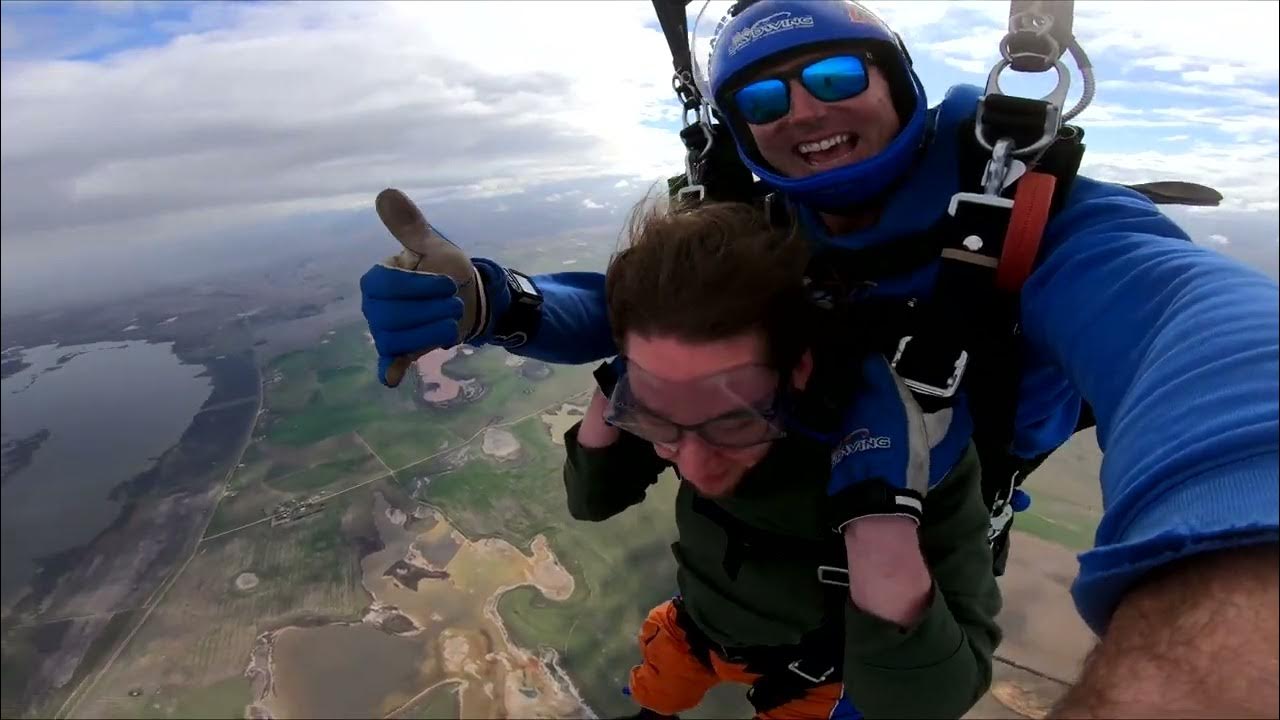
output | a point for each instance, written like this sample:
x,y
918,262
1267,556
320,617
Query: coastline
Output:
x,y
162,510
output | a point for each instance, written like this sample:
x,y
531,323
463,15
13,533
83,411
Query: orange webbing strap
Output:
x,y
1027,220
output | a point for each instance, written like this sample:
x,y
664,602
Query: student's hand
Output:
x,y
594,431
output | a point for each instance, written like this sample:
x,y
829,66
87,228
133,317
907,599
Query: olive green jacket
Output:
x,y
741,594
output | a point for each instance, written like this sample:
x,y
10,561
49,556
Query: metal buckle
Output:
x,y
978,199
826,571
999,522
688,190
1053,115
794,667
953,382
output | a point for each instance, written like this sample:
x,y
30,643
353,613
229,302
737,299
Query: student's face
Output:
x,y
863,125
682,385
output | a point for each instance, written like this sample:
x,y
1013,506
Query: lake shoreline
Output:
x,y
161,510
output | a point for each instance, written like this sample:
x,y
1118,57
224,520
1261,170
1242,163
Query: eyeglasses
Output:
x,y
743,424
739,429
830,80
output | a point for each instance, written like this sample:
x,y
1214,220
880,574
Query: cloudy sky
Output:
x,y
140,130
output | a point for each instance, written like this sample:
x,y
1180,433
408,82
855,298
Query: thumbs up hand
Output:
x,y
426,297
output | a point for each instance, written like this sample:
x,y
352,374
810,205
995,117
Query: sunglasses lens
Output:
x,y
763,102
836,78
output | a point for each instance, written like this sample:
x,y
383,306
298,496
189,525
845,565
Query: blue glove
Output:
x,y
409,313
881,466
429,296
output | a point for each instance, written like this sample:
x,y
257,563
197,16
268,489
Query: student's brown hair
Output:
x,y
707,273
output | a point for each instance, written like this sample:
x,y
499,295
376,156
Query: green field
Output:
x,y
223,699
188,659
622,567
1066,496
327,425
1058,523
22,653
331,391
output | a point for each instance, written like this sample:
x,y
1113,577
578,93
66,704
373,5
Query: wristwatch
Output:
x,y
520,322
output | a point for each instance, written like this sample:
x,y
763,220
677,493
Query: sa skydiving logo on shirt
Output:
x,y
858,441
775,23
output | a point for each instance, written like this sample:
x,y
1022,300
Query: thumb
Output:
x,y
392,370
426,250
406,222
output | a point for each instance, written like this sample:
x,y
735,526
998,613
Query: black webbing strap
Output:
x,y
1021,119
671,17
966,313
743,539
786,672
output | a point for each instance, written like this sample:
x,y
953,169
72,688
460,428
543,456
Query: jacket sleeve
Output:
x,y
602,482
1176,349
574,328
942,665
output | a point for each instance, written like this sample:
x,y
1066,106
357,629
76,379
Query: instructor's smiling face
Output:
x,y
816,136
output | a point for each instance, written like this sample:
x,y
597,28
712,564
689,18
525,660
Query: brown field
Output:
x,y
203,631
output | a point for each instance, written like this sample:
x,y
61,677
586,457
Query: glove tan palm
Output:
x,y
427,251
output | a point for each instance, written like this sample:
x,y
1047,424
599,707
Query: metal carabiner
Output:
x,y
997,169
1053,114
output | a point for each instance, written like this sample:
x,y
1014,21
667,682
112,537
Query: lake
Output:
x,y
110,410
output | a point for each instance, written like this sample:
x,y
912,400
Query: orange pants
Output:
x,y
671,679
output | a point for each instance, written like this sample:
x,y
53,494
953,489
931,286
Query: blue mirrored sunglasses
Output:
x,y
830,80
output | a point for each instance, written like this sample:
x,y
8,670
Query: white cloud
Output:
x,y
256,111
1240,95
1217,239
1245,173
1163,63
1176,138
557,197
1216,75
315,104
1238,34
968,65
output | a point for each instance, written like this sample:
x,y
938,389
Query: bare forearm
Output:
x,y
888,577
1197,640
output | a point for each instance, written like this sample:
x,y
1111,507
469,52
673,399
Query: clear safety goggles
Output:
x,y
736,408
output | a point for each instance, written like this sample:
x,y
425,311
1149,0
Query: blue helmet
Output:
x,y
766,29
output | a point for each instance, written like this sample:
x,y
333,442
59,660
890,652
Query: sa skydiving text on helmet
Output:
x,y
775,23
856,442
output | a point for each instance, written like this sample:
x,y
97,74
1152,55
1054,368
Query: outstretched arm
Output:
x,y
574,327
1195,639
1177,350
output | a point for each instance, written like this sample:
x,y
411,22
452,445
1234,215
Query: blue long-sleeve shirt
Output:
x,y
1174,346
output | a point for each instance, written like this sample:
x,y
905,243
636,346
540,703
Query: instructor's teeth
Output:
x,y
826,144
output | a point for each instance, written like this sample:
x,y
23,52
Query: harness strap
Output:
x,y
1030,214
786,672
675,26
743,538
